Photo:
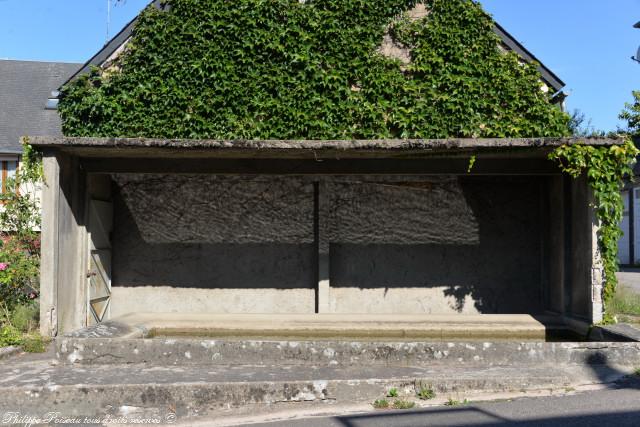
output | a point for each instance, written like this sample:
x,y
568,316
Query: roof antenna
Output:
x,y
637,57
108,19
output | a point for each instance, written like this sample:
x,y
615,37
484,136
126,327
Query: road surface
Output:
x,y
618,406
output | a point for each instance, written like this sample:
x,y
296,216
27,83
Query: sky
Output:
x,y
587,43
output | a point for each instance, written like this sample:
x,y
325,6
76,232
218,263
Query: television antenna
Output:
x,y
637,57
108,19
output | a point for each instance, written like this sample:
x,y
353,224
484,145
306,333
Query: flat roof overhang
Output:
x,y
389,156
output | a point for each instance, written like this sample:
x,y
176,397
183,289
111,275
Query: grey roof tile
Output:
x,y
25,87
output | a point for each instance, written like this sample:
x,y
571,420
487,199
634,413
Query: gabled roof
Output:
x,y
25,87
548,76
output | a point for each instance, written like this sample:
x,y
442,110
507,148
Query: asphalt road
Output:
x,y
617,407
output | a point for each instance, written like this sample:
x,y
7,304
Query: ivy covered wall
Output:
x,y
314,69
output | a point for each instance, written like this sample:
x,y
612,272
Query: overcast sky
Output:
x,y
588,43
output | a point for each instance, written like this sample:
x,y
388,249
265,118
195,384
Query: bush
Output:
x,y
34,344
19,238
9,336
24,317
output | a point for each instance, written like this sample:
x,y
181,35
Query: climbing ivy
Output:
x,y
295,69
606,169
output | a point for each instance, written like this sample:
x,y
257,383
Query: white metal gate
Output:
x,y
99,268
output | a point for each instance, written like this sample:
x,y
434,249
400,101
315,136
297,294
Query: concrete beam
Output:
x,y
64,246
49,246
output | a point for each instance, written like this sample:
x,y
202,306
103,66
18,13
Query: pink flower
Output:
x,y
3,266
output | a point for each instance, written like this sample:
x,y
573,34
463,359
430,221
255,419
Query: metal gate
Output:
x,y
99,269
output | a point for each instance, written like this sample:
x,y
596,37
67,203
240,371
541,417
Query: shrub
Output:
x,y
9,336
20,239
24,317
34,344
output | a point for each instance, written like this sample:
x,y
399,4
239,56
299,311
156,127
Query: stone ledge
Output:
x,y
341,145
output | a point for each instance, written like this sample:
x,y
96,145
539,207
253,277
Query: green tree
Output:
x,y
631,114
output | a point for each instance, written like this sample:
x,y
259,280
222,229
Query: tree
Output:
x,y
631,114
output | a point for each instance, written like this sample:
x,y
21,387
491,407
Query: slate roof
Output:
x,y
25,87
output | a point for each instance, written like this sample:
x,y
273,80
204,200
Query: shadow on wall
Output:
x,y
470,239
493,261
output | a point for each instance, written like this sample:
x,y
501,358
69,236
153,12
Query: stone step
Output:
x,y
41,386
191,351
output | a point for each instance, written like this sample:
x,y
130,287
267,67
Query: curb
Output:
x,y
197,399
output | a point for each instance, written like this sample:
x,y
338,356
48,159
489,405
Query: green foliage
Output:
x,y
20,244
24,317
403,404
625,301
381,404
34,344
393,392
605,168
257,69
631,114
580,126
453,402
9,336
425,393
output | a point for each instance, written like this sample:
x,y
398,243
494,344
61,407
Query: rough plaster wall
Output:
x,y
481,253
401,213
219,209
434,245
218,244
166,299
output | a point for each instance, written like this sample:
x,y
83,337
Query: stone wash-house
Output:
x,y
301,227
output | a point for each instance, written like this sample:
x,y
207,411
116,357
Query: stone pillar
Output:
x,y
587,275
64,246
49,247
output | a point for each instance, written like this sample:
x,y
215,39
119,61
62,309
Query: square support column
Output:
x,y
322,245
587,275
49,247
64,246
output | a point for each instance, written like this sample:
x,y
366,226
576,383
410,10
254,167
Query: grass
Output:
x,y
393,392
426,393
452,402
19,327
403,404
626,304
34,343
381,404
